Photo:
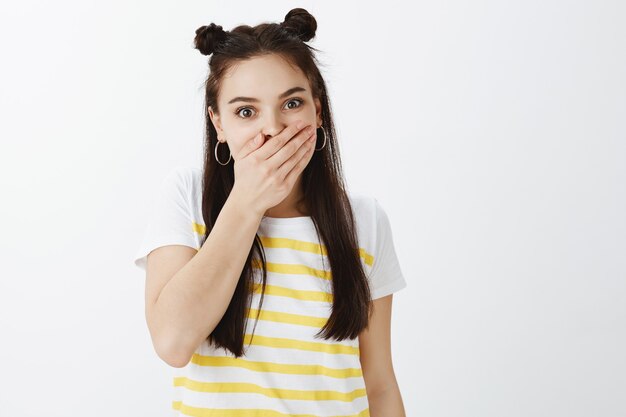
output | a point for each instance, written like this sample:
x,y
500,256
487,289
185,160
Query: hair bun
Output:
x,y
208,37
300,23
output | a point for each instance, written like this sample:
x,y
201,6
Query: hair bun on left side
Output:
x,y
300,23
208,37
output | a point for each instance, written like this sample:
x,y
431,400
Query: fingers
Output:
x,y
250,146
296,164
279,141
284,154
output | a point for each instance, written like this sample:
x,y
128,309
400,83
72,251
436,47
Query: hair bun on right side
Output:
x,y
208,37
300,23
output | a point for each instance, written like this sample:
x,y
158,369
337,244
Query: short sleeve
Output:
x,y
385,276
170,221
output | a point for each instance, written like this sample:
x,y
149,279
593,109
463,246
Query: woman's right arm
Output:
x,y
184,309
188,292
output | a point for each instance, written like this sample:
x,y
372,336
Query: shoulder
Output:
x,y
362,204
183,176
369,210
364,210
183,184
372,222
185,179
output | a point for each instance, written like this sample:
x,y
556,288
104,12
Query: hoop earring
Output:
x,y
217,159
323,131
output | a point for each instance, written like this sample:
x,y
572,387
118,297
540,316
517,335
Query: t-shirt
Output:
x,y
286,370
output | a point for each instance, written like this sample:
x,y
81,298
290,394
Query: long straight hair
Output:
x,y
322,180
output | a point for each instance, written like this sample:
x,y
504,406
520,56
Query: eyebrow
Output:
x,y
254,100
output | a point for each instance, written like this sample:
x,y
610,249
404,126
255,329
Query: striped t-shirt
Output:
x,y
285,370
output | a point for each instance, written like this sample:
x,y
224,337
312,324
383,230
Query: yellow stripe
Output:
x,y
282,368
198,228
282,393
293,269
369,259
290,318
299,245
245,412
285,343
303,246
291,293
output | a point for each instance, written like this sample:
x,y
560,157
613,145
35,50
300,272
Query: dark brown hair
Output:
x,y
322,180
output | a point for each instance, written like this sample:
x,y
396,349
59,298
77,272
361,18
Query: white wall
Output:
x,y
493,132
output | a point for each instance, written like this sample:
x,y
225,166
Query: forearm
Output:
x,y
386,403
195,299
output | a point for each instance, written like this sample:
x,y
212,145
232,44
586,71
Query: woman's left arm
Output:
x,y
382,388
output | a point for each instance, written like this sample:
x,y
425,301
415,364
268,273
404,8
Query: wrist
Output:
x,y
238,201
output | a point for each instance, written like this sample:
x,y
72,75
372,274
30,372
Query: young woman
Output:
x,y
268,285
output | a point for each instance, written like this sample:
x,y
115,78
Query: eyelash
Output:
x,y
299,100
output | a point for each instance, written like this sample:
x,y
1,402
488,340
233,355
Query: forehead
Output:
x,y
263,77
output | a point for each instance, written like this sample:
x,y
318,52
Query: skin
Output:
x,y
382,388
265,78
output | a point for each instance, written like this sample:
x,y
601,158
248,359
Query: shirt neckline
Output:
x,y
288,221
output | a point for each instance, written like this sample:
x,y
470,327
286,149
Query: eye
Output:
x,y
297,100
239,111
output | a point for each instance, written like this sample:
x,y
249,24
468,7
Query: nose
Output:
x,y
272,125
